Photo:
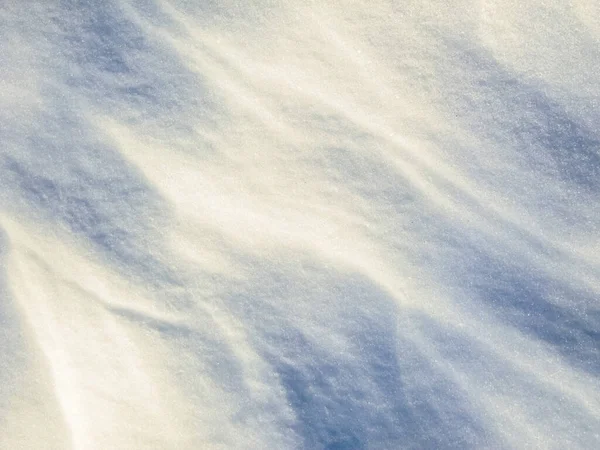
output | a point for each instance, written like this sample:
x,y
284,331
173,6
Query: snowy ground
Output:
x,y
314,225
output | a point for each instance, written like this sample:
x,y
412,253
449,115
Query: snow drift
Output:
x,y
320,225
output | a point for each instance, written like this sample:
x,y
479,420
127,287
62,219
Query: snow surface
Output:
x,y
299,225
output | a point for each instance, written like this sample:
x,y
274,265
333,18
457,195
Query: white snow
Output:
x,y
299,225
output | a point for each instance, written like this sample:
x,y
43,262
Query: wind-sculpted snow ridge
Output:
x,y
312,225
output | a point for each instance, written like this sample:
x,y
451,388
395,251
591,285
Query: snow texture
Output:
x,y
299,225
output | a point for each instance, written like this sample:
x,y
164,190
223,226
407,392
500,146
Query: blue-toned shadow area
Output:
x,y
378,389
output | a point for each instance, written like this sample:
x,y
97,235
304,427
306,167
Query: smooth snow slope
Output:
x,y
299,225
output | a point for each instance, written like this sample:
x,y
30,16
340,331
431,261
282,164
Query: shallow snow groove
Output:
x,y
259,225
